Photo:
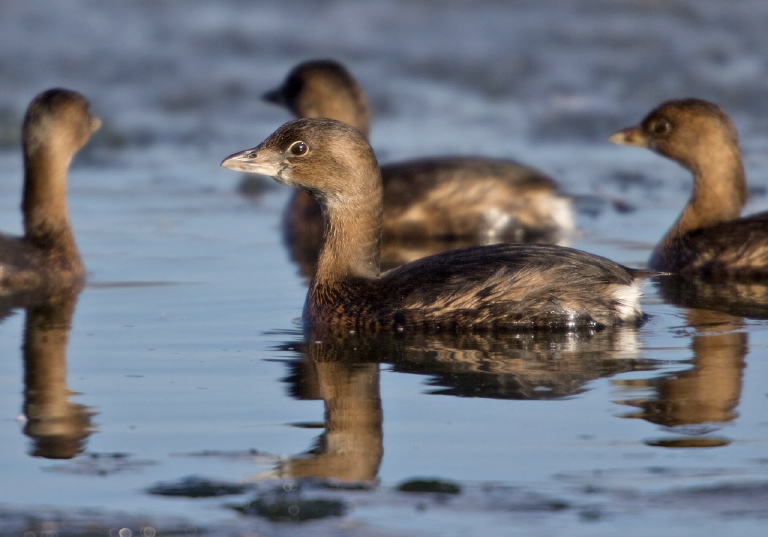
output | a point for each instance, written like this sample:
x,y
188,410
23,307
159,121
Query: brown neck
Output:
x,y
46,216
719,193
352,232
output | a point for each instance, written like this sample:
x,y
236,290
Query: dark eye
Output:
x,y
298,148
661,127
252,154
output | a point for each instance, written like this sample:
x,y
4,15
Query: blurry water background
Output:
x,y
185,355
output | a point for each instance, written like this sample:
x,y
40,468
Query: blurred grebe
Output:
x,y
57,124
484,200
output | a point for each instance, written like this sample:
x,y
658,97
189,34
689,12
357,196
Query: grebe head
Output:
x,y
328,158
59,121
323,88
688,131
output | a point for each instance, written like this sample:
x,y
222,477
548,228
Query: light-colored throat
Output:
x,y
352,236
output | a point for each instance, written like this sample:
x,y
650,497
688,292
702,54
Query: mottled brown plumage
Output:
x,y
483,200
58,123
504,286
708,238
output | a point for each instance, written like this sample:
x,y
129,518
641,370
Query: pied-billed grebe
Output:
x,y
484,200
476,288
708,238
57,124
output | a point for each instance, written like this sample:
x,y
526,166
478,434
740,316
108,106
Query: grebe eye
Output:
x,y
298,148
661,127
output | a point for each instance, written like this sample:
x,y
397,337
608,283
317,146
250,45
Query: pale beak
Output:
x,y
630,136
95,124
262,161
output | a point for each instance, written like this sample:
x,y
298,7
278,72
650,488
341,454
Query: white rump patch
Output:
x,y
562,213
628,300
496,222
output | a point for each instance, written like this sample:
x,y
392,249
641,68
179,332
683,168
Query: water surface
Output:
x,y
184,357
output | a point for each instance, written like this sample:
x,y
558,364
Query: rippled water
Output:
x,y
184,357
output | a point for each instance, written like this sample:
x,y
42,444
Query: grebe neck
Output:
x,y
46,216
352,234
719,192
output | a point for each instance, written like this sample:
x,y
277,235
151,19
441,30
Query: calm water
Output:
x,y
184,356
